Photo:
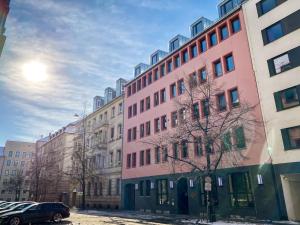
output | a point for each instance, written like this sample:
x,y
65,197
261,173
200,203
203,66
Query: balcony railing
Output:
x,y
100,124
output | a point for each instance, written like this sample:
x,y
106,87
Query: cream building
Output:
x,y
104,129
56,154
274,40
15,169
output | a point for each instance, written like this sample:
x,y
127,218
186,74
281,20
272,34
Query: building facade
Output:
x,y
273,33
103,134
56,154
4,8
15,179
149,183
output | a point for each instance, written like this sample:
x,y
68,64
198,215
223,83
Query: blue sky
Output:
x,y
86,46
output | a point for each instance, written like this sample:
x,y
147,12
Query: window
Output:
x,y
291,137
173,90
112,133
163,95
221,102
181,87
194,51
203,45
148,157
142,104
120,108
203,75
119,156
142,130
285,61
149,78
22,163
235,25
129,111
182,114
195,111
265,6
205,107
193,80
164,122
142,158
169,66
128,164
156,74
229,63
17,154
175,150
174,45
109,187
198,151
118,188
148,128
8,162
164,154
226,143
139,85
274,32
184,149
144,81
174,119
128,91
113,110
148,103
234,98
133,159
218,68
240,190
154,59
224,32
24,154
239,136
162,192
185,56
162,70
133,88
134,109
177,61
134,133
197,28
120,130
157,125
156,98
148,188
157,154
287,98
213,39
141,186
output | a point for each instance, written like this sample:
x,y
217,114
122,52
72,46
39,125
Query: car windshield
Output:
x,y
33,206
4,204
8,205
19,207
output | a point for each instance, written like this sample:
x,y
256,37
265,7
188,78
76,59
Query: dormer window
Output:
x,y
137,71
174,45
197,28
154,59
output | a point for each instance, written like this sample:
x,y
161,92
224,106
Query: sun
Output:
x,y
35,71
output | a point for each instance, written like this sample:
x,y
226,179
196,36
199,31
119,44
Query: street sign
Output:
x,y
207,179
207,186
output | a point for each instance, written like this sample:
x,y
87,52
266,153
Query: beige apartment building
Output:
x,y
15,179
274,41
104,144
56,153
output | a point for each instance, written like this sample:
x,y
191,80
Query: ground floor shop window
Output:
x,y
162,192
240,190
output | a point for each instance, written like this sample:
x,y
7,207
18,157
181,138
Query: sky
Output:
x,y
86,46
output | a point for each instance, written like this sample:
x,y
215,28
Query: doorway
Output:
x,y
182,196
129,201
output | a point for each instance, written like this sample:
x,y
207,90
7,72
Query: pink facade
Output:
x,y
242,78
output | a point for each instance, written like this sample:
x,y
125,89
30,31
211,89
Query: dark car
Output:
x,y
36,213
17,207
8,204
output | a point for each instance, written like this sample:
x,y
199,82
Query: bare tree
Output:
x,y
16,184
217,131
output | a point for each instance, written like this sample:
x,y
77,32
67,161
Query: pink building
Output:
x,y
221,51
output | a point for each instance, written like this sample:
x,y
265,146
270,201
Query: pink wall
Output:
x,y
242,77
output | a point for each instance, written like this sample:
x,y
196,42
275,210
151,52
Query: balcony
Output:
x,y
100,124
100,145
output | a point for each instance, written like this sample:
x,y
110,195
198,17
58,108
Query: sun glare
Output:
x,y
35,71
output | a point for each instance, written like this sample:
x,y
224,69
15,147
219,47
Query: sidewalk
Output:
x,y
174,219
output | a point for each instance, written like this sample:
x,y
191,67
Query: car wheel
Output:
x,y
57,217
15,221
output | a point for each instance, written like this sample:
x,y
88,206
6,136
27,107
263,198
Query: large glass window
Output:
x,y
274,32
218,68
234,97
162,192
229,63
235,25
224,32
157,125
213,39
291,137
265,6
240,190
203,45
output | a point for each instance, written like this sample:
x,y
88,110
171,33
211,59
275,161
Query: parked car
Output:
x,y
17,207
8,204
3,203
36,213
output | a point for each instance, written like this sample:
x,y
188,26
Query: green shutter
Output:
x,y
240,137
278,101
285,139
